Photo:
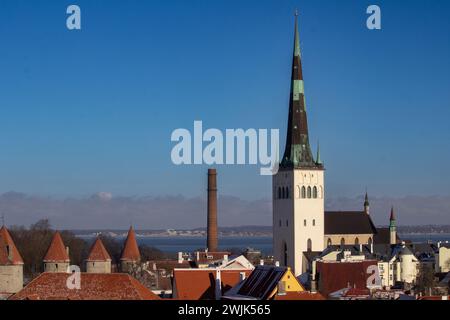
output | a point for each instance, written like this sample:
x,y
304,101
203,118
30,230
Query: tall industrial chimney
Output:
x,y
211,241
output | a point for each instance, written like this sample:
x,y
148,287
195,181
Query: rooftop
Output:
x,y
94,286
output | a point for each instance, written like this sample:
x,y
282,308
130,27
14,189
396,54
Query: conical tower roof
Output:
x,y
297,153
57,251
131,250
98,252
9,255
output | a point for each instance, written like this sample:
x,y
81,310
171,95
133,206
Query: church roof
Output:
x,y
9,255
348,222
57,251
131,250
98,252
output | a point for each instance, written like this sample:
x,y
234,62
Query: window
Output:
x,y
279,193
314,222
282,193
370,241
356,240
285,254
309,192
315,192
342,242
304,222
329,242
309,245
287,192
303,192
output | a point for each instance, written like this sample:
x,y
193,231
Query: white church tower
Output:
x,y
298,187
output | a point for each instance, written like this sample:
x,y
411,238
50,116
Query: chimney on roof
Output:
x,y
212,211
241,276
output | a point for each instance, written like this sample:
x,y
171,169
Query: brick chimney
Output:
x,y
211,241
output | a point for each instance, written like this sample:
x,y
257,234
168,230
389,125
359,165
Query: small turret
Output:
x,y
57,258
99,260
392,228
11,265
131,256
366,204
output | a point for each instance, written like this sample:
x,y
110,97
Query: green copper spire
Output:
x,y
318,160
297,153
296,38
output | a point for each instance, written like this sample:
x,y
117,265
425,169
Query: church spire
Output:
x,y
298,151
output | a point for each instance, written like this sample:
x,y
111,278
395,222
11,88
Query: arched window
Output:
x,y
315,192
279,193
314,222
342,242
370,241
309,192
287,223
309,245
356,240
329,242
283,193
285,251
303,192
304,222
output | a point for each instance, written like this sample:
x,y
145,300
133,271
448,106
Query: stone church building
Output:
x,y
300,222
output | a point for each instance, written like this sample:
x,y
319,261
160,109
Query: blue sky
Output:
x,y
93,110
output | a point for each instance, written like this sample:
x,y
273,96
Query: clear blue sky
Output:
x,y
93,110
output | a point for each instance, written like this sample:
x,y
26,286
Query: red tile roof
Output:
x,y
98,252
57,251
94,286
299,295
9,255
200,284
131,250
334,276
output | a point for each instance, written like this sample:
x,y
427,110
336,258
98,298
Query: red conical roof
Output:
x,y
131,250
98,252
8,251
57,251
